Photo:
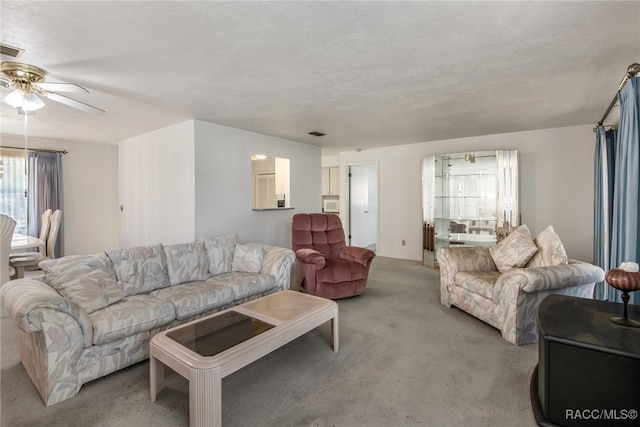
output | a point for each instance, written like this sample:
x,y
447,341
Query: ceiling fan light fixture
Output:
x,y
24,101
15,98
29,81
32,102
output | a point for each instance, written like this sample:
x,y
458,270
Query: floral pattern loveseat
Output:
x,y
504,285
91,315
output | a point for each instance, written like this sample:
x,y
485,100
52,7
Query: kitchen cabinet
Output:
x,y
331,181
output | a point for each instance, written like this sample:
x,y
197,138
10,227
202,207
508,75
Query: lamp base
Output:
x,y
626,322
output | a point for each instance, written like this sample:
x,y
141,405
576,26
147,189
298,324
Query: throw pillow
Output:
x,y
141,269
514,251
247,258
550,250
87,280
220,252
187,262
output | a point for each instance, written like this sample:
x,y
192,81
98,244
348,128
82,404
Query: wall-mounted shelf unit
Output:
x,y
475,197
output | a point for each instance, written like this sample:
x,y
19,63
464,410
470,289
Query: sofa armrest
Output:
x,y
354,253
33,303
277,261
519,292
453,260
311,256
537,279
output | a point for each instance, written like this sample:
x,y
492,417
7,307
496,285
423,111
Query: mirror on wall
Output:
x,y
270,183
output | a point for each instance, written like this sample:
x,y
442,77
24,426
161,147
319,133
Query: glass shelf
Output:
x,y
473,197
465,174
468,218
465,197
468,238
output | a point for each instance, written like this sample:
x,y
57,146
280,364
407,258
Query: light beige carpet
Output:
x,y
404,360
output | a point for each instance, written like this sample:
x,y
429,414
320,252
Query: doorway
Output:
x,y
363,205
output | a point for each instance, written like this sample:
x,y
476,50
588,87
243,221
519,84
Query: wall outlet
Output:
x,y
404,243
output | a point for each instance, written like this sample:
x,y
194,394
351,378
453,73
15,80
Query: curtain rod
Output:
x,y
36,150
632,70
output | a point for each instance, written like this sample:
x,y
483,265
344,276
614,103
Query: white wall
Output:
x,y
193,179
556,185
223,183
330,161
90,180
157,187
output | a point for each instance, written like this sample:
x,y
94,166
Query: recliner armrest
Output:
x,y
311,256
354,253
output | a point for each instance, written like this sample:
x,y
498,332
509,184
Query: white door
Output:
x,y
363,205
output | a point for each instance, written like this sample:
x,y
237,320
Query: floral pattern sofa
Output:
x,y
504,285
89,316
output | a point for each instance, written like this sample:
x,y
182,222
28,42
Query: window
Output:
x,y
13,187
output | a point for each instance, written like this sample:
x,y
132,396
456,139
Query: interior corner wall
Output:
x,y
157,187
223,184
90,183
556,186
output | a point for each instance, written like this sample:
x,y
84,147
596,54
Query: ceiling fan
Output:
x,y
28,81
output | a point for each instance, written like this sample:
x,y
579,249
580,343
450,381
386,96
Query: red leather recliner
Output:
x,y
325,265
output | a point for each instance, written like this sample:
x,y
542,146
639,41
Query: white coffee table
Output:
x,y
208,349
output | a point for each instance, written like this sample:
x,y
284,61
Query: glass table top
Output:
x,y
218,333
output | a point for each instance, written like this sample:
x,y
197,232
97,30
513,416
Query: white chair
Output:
x,y
7,225
56,219
44,232
30,260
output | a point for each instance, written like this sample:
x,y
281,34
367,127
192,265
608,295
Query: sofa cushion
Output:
x,y
514,251
132,315
550,250
191,299
244,285
187,262
87,280
220,252
478,282
141,269
247,258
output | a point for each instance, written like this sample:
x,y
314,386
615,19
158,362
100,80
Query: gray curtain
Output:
x,y
45,192
624,238
603,212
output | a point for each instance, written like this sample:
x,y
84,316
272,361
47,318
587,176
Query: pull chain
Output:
x,y
26,154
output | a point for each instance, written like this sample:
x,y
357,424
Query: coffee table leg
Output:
x,y
336,337
156,376
205,397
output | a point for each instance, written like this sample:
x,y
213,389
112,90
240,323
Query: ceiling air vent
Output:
x,y
10,50
316,133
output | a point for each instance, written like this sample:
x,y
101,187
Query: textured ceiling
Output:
x,y
365,73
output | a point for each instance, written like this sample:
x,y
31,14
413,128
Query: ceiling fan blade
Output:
x,y
61,87
4,82
75,104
